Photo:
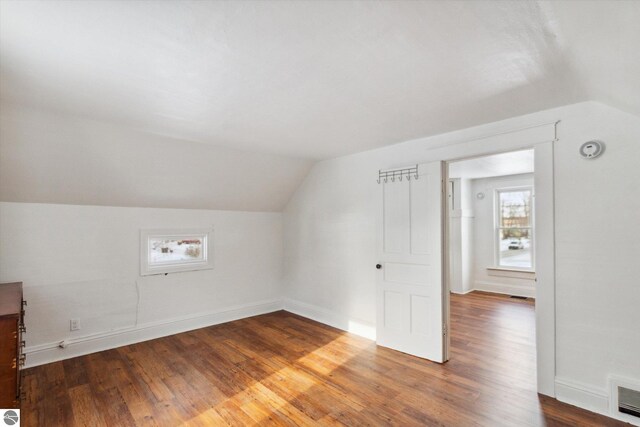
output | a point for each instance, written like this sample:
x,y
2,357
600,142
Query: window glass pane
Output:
x,y
163,250
515,248
515,208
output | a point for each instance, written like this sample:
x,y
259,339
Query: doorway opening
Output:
x,y
491,223
491,263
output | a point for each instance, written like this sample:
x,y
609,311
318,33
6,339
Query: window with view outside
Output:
x,y
164,250
514,230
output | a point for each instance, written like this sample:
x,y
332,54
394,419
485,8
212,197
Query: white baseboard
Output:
x,y
51,352
591,398
322,315
462,293
616,381
583,395
500,288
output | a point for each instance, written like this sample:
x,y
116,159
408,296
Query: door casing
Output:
x,y
544,254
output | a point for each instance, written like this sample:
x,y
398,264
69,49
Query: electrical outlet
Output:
x,y
75,324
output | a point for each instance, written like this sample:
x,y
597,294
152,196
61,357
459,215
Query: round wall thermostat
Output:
x,y
591,149
480,196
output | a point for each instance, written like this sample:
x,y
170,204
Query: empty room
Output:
x,y
319,212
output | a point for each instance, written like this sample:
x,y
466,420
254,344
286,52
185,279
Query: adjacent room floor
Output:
x,y
280,368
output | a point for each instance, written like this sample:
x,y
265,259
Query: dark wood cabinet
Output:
x,y
11,343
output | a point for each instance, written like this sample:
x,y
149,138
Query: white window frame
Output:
x,y
498,228
148,268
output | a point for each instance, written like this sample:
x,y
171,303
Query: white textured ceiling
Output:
x,y
512,163
315,79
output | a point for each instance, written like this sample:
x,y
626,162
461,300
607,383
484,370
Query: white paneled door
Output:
x,y
410,297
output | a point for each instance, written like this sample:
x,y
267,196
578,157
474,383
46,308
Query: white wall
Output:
x,y
484,241
330,229
83,261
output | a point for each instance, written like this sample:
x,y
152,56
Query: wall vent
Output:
x,y
624,399
629,401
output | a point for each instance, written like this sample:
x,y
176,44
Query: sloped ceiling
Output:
x,y
57,158
315,79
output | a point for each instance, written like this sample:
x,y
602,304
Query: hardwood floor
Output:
x,y
283,369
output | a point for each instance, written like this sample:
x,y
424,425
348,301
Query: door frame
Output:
x,y
544,252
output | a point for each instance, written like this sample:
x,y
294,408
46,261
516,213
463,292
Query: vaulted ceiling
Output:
x,y
315,79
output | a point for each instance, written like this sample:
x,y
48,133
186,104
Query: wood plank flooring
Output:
x,y
282,369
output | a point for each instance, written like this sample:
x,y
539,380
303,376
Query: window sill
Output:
x,y
511,272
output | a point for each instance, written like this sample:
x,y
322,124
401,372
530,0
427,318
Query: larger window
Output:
x,y
170,251
514,228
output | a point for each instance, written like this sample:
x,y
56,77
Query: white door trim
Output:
x,y
545,268
541,138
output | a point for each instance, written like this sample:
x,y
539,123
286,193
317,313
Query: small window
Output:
x,y
514,228
170,251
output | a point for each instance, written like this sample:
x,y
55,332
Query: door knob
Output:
x,y
378,266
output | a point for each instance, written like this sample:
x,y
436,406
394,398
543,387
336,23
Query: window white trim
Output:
x,y
516,273
147,267
498,228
